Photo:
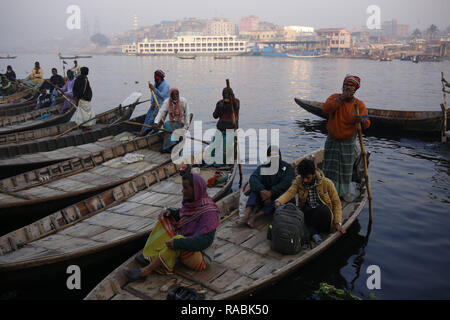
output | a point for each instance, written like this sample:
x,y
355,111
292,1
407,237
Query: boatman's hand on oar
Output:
x,y
151,86
339,228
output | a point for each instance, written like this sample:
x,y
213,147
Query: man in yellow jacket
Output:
x,y
318,199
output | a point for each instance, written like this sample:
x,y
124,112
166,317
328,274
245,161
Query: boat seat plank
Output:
x,y
117,221
83,230
224,250
168,187
253,262
143,226
224,280
205,277
6,198
151,287
234,233
68,185
111,235
64,243
141,210
39,192
161,199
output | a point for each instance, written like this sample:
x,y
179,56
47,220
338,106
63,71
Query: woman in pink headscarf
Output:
x,y
178,111
180,233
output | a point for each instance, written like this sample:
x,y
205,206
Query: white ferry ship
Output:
x,y
189,45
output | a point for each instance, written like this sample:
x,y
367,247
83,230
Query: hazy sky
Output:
x,y
22,20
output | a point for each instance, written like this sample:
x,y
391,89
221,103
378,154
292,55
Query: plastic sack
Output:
x,y
243,199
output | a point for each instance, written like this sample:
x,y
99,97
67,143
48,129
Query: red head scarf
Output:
x,y
353,80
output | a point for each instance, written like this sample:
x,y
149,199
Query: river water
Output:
x,y
410,180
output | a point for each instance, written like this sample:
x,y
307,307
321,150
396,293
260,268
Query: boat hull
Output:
x,y
414,121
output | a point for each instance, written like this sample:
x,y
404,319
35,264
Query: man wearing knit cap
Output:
x,y
340,144
161,89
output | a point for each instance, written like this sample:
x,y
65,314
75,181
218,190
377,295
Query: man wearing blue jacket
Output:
x,y
265,189
161,90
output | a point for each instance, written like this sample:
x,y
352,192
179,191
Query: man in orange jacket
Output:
x,y
340,144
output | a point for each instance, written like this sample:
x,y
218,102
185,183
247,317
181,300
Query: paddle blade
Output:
x,y
132,99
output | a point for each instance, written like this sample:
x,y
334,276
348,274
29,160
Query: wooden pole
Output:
x,y
444,111
62,94
163,130
366,171
236,149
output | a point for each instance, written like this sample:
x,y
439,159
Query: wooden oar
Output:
x,y
235,137
444,111
154,98
163,130
62,94
366,170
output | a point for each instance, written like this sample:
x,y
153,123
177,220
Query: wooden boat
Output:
x,y
108,220
109,117
31,194
83,57
298,56
398,120
66,57
385,59
16,97
29,121
8,57
15,159
222,57
242,261
187,57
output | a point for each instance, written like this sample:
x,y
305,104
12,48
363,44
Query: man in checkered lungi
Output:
x,y
340,146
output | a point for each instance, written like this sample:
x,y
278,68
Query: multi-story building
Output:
x,y
339,39
220,27
296,32
393,30
250,23
129,49
193,45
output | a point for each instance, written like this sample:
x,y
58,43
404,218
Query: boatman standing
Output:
x,y
224,111
82,94
340,145
76,69
161,90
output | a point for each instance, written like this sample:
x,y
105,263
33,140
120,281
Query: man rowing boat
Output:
x,y
161,90
340,144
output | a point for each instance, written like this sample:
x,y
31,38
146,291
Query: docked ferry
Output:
x,y
190,45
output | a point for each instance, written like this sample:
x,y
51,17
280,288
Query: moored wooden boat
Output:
x,y
8,57
35,119
28,195
27,105
242,261
222,57
114,115
398,120
22,157
187,57
112,218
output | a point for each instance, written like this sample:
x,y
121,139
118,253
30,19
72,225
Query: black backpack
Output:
x,y
288,230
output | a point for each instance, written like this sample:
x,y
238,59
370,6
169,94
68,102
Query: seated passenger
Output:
x,y
317,198
6,87
45,99
265,188
180,233
178,111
